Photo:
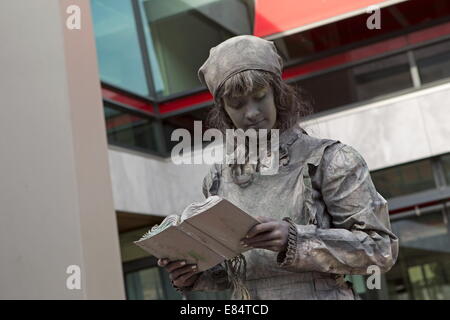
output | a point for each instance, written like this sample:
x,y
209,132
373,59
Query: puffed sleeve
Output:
x,y
360,233
215,278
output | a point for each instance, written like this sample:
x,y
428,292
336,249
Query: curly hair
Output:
x,y
291,102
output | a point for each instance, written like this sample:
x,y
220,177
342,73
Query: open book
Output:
x,y
206,233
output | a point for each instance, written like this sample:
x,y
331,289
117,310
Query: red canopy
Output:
x,y
276,18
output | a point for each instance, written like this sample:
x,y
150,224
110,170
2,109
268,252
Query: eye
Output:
x,y
234,103
260,95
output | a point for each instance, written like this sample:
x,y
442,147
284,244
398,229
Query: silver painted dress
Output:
x,y
342,222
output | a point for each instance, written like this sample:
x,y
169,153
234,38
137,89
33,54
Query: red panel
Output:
x,y
419,205
274,16
349,56
430,33
132,102
185,102
121,120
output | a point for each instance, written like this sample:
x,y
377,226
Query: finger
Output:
x,y
266,244
186,280
181,271
162,262
259,228
185,276
265,219
266,236
175,265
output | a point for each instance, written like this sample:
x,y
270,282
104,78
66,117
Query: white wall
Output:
x,y
55,189
153,185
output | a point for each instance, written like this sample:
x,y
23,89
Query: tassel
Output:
x,y
236,269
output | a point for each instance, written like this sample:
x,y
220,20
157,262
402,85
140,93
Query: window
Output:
x,y
185,121
381,77
128,250
130,130
422,271
404,179
358,83
118,52
145,284
337,85
180,34
433,62
446,165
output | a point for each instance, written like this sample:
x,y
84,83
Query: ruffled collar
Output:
x,y
243,175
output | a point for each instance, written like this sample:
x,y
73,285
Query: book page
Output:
x,y
175,245
171,220
226,223
207,240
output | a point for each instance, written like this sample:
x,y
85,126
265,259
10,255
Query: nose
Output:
x,y
252,113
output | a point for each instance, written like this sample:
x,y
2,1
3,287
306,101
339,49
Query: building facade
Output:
x,y
385,91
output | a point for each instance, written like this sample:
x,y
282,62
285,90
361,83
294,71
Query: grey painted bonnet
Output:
x,y
238,54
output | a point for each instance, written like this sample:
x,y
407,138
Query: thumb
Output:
x,y
263,219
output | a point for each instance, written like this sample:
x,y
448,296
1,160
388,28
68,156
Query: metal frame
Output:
x,y
438,172
143,48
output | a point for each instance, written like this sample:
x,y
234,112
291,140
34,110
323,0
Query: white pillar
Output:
x,y
56,205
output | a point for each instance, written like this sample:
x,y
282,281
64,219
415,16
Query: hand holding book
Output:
x,y
180,273
205,234
271,234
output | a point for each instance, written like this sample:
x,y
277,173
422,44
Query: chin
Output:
x,y
261,125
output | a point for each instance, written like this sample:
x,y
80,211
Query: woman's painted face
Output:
x,y
256,110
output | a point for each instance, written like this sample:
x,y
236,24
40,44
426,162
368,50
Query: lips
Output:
x,y
254,124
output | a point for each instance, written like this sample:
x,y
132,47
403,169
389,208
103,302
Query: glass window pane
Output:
x,y
144,284
338,88
180,34
422,271
433,62
119,56
130,130
128,250
382,76
446,164
185,121
358,83
404,179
